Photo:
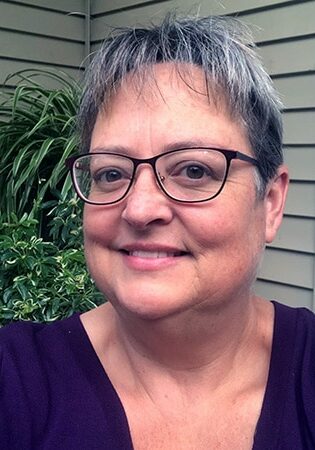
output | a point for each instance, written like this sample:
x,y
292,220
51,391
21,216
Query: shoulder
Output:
x,y
294,353
17,344
294,333
26,351
23,342
292,376
30,367
54,392
298,322
19,333
288,413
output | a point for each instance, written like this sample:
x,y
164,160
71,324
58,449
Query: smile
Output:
x,y
151,259
153,254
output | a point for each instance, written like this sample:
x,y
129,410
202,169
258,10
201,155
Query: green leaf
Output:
x,y
22,290
36,136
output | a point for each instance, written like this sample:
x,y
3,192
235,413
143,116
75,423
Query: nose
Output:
x,y
146,204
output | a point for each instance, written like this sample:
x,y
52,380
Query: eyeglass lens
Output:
x,y
186,175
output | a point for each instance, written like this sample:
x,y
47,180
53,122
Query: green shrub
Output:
x,y
38,281
36,137
64,221
42,269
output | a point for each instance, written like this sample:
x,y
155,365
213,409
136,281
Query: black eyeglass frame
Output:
x,y
229,156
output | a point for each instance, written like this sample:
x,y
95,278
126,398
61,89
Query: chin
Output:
x,y
148,308
149,300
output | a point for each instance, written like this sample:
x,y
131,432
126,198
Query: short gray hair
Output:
x,y
222,47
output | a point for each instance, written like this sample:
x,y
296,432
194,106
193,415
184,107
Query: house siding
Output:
x,y
42,34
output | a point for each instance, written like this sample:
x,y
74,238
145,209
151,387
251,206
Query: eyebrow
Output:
x,y
174,145
111,149
196,142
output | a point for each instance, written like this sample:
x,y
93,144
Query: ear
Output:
x,y
274,202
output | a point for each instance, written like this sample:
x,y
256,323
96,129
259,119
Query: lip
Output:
x,y
151,256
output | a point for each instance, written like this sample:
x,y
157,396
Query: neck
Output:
x,y
191,351
205,342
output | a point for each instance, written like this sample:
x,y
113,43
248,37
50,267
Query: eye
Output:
x,y
110,179
195,172
109,175
191,170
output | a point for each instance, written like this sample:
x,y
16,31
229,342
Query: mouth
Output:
x,y
145,257
156,254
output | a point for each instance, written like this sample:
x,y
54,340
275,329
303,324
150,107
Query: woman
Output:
x,y
183,181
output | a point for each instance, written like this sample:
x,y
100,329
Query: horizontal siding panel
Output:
x,y
301,162
296,233
289,295
205,6
95,46
10,67
154,13
57,5
233,6
301,199
299,127
134,17
277,58
280,23
288,268
289,57
229,6
42,22
100,7
35,49
297,91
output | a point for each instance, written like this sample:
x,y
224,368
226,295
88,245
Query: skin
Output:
x,y
181,327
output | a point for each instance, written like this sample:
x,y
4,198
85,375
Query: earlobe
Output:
x,y
274,202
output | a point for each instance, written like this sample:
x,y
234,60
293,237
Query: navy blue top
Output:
x,y
55,394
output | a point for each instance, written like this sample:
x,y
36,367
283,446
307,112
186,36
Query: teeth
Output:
x,y
145,254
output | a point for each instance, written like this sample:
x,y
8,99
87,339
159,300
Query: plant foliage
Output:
x,y
36,136
38,281
43,276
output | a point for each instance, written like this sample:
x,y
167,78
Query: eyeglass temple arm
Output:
x,y
247,158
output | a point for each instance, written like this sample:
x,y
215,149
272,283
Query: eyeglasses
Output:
x,y
188,175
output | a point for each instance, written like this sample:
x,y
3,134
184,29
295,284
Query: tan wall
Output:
x,y
41,33
284,32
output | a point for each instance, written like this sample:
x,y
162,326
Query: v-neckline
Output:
x,y
268,427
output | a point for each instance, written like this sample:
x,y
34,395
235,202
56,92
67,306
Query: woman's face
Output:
x,y
154,257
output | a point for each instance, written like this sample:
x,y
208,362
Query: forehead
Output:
x,y
172,102
160,82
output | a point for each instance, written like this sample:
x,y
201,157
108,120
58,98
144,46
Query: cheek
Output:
x,y
100,230
99,224
236,230
211,227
